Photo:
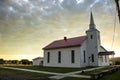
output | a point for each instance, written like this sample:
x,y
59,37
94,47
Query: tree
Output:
x,y
1,61
25,61
14,61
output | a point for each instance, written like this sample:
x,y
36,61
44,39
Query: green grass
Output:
x,y
22,74
26,75
51,69
14,65
113,76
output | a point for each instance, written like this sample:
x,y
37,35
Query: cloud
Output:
x,y
24,8
80,1
37,22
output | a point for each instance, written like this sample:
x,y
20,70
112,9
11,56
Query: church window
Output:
x,y
91,36
92,57
48,57
84,56
72,56
59,57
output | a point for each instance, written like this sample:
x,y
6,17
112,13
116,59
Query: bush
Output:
x,y
117,62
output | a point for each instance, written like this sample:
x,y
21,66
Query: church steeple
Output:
x,y
92,25
93,42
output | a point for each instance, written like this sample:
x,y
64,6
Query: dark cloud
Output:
x,y
31,13
29,8
14,13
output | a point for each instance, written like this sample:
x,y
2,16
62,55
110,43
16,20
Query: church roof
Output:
x,y
103,48
38,58
70,42
105,52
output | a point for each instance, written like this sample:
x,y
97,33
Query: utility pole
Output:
x,y
118,8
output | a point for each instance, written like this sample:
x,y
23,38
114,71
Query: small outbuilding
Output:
x,y
38,61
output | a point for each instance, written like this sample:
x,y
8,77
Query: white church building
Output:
x,y
78,51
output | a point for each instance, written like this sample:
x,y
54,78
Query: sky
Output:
x,y
26,26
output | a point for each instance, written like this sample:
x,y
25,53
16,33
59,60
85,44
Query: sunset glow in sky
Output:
x,y
26,26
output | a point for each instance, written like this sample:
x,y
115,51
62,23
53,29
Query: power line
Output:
x,y
113,39
114,24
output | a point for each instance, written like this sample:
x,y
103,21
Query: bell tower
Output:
x,y
93,42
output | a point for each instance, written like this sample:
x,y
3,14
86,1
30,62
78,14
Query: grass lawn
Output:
x,y
14,65
51,69
22,74
26,75
114,76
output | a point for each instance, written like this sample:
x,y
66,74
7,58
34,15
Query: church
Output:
x,y
81,51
